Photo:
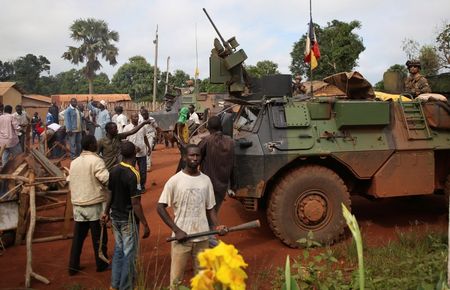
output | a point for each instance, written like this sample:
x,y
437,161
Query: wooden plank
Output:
x,y
49,219
23,210
55,192
20,169
51,205
52,169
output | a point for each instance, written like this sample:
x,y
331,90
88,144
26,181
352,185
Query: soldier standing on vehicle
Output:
x,y
416,83
298,86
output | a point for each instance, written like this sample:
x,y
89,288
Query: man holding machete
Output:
x,y
190,193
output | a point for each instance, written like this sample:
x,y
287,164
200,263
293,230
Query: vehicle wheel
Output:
x,y
308,199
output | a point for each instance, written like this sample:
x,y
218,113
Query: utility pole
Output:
x,y
155,70
167,76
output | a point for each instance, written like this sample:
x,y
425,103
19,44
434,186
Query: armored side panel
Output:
x,y
361,113
394,83
405,173
440,83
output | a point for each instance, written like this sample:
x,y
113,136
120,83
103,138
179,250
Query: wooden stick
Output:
x,y
11,191
29,268
68,215
51,205
56,192
30,232
40,278
44,219
15,177
52,238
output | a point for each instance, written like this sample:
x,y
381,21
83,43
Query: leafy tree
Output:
x,y
27,70
206,86
339,45
102,84
179,78
135,78
443,45
6,71
96,40
47,85
429,60
262,68
71,82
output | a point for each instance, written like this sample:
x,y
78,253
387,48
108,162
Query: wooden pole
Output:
x,y
29,268
155,71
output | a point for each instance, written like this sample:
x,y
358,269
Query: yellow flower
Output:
x,y
221,265
203,280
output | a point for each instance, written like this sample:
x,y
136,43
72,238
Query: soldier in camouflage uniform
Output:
x,y
415,83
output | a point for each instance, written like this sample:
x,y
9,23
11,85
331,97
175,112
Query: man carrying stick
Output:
x,y
191,195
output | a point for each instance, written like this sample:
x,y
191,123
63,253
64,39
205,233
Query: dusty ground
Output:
x,y
261,250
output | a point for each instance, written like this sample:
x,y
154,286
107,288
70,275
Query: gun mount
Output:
x,y
226,63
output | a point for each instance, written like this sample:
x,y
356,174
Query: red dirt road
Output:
x,y
379,220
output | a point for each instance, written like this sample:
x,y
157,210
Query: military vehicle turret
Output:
x,y
300,158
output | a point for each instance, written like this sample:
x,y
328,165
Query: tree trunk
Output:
x,y
91,87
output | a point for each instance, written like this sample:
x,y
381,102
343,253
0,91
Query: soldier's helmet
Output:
x,y
413,62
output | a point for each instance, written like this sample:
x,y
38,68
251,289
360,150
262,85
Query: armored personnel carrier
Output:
x,y
300,158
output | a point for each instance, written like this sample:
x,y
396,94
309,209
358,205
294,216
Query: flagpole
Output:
x,y
310,48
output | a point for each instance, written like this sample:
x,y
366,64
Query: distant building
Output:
x,y
36,103
11,94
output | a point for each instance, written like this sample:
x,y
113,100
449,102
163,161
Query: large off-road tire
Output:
x,y
308,199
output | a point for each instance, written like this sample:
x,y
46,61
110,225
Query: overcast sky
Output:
x,y
265,29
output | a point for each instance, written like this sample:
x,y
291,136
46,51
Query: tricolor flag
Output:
x,y
312,52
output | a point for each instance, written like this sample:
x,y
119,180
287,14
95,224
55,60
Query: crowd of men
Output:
x,y
107,178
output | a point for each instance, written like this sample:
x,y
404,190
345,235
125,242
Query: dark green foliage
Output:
x,y
340,48
206,86
27,70
414,261
135,78
262,68
6,71
429,60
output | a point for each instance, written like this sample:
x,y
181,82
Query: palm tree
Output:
x,y
96,40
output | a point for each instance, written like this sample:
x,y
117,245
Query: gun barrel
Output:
x,y
215,28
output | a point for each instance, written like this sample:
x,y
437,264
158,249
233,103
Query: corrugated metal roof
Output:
x,y
5,86
109,98
39,98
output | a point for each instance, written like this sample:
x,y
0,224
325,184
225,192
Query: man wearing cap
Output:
x,y
415,83
298,87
